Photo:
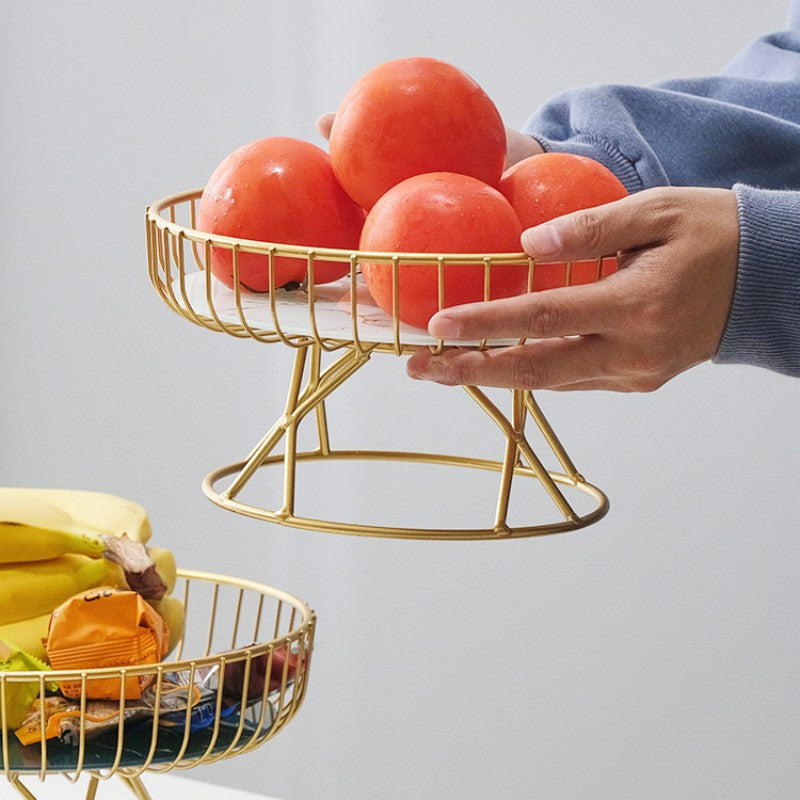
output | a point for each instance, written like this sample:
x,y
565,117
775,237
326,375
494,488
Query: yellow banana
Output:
x,y
31,529
172,611
97,511
28,634
31,588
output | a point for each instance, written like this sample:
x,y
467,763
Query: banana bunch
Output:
x,y
55,543
92,511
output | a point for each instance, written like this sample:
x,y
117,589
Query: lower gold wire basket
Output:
x,y
339,321
236,678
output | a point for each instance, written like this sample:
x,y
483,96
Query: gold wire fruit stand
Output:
x,y
253,641
338,321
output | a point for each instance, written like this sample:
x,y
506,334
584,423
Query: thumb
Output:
x,y
631,222
323,124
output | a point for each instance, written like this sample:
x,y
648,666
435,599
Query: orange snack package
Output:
x,y
106,627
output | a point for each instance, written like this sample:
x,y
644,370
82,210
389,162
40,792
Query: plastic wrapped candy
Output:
x,y
109,628
19,695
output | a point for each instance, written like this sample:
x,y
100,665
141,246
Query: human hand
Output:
x,y
663,312
518,145
324,123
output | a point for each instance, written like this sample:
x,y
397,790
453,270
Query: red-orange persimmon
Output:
x,y
279,190
548,185
412,116
440,212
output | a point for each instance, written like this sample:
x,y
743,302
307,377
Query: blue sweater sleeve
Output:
x,y
742,126
739,130
763,326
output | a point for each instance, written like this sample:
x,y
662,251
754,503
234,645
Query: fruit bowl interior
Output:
x,y
339,312
242,663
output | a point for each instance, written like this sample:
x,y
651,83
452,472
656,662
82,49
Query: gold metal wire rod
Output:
x,y
134,772
21,788
298,405
311,288
170,765
279,333
183,305
137,787
241,330
355,529
246,327
43,756
289,469
547,480
134,784
511,459
276,432
550,435
212,619
245,693
319,387
329,380
257,455
295,381
322,417
155,210
396,304
524,448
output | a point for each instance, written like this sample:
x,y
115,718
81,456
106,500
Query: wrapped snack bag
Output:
x,y
204,712
282,664
110,628
60,718
18,695
34,726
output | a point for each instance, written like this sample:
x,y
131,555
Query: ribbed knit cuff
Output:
x,y
763,327
600,150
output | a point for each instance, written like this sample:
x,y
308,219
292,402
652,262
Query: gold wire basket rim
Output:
x,y
232,655
153,214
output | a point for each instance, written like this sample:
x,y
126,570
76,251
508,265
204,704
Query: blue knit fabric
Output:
x,y
764,321
741,130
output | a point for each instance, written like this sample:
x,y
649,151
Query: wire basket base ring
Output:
x,y
286,517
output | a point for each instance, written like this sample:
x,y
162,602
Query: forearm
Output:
x,y
658,136
763,327
742,126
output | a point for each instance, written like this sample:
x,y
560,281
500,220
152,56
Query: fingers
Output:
x,y
323,124
641,221
637,221
579,364
569,311
546,364
663,312
520,146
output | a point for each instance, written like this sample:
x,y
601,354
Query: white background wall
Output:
x,y
652,655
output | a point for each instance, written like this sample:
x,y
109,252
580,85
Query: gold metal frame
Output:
x,y
229,622
176,251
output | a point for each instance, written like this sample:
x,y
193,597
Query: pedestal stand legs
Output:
x,y
519,459
134,784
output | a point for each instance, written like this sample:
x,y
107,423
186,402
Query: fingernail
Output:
x,y
542,240
443,327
